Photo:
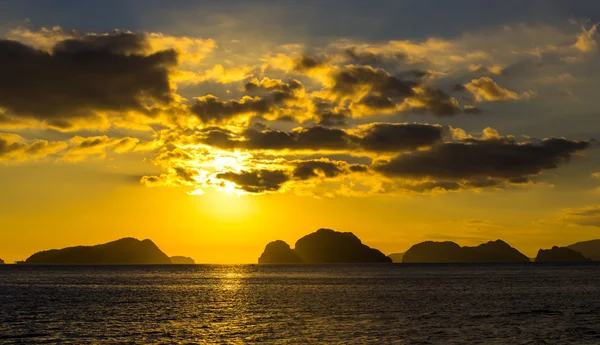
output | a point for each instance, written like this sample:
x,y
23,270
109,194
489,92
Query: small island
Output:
x,y
126,251
560,254
1,262
396,257
325,246
449,252
182,260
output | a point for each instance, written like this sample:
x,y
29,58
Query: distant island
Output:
x,y
396,257
182,260
1,262
560,254
126,251
325,246
449,252
590,249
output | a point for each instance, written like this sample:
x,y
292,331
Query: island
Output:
x,y
279,252
449,252
1,262
126,251
560,254
589,249
182,260
325,246
396,257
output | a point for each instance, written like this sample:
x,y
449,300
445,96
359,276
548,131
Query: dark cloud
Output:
x,y
308,169
392,137
257,181
438,102
313,138
267,85
328,115
369,58
332,119
386,91
211,109
379,137
268,94
308,62
81,76
483,160
472,110
380,83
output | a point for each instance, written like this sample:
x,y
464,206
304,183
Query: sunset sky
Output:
x,y
213,128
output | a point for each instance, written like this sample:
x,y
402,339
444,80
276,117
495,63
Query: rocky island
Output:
x,y
1,262
325,246
126,251
449,252
182,260
279,252
560,254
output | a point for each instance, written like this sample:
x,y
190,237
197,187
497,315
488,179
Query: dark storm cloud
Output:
x,y
483,160
257,181
82,75
379,137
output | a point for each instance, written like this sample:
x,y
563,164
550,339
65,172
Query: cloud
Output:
x,y
267,95
82,148
375,137
304,170
492,160
394,137
586,40
485,89
585,216
14,148
257,181
81,78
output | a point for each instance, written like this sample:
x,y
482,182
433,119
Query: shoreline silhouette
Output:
x,y
324,246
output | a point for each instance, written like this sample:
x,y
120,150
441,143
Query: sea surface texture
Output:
x,y
301,304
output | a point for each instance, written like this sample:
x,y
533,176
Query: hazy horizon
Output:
x,y
213,129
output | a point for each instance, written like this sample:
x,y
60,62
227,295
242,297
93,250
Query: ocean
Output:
x,y
301,304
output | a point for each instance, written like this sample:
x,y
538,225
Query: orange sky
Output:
x,y
213,146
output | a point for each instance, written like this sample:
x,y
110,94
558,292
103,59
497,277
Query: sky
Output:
x,y
215,127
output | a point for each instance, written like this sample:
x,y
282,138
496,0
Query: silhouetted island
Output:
x,y
325,246
447,252
559,254
182,260
279,252
1,262
396,257
589,249
126,251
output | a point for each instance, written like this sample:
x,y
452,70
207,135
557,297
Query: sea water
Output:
x,y
301,304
